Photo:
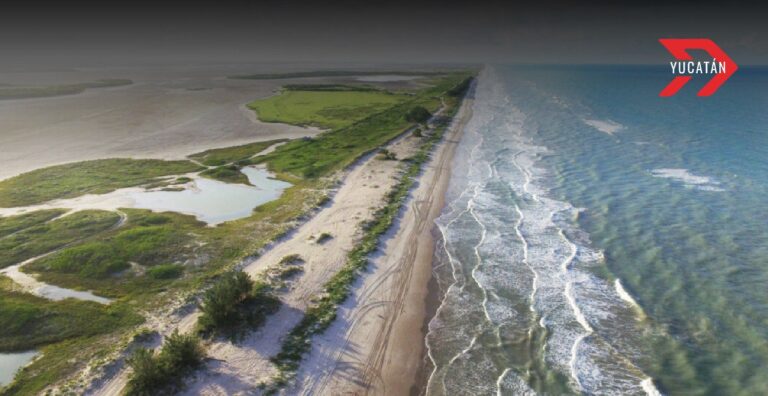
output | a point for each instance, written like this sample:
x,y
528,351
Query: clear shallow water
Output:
x,y
11,362
213,201
209,200
599,239
42,289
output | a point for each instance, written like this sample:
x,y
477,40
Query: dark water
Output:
x,y
602,240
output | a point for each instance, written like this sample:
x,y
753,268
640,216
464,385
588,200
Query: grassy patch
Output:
x,y
223,156
325,109
162,373
336,149
227,174
30,321
12,224
43,238
22,92
88,177
102,264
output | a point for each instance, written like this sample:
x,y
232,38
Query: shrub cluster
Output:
x,y
162,373
418,114
234,302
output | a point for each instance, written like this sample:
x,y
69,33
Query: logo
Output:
x,y
721,67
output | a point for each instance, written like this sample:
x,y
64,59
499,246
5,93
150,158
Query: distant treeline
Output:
x,y
23,92
332,73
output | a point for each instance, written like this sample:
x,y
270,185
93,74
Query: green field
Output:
x,y
87,177
324,109
338,148
44,237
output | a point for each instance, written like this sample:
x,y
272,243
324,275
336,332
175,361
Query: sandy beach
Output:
x,y
376,345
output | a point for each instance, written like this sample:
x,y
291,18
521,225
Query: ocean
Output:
x,y
599,239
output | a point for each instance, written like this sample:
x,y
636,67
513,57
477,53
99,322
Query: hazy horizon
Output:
x,y
596,32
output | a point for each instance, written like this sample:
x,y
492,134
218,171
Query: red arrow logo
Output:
x,y
678,47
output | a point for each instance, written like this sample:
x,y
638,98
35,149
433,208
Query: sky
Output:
x,y
71,34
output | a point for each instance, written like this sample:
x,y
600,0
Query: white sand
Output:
x,y
376,345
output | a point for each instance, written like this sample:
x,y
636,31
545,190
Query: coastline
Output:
x,y
410,327
376,345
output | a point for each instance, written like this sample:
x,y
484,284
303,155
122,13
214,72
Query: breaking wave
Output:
x,y
523,311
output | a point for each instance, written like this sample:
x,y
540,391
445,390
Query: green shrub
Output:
x,y
162,373
388,155
418,114
291,259
165,271
235,301
324,237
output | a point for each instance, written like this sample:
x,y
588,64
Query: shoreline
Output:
x,y
376,344
410,328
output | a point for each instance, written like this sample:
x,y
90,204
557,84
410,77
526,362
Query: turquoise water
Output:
x,y
599,239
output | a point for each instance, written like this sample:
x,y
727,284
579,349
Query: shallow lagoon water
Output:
x,y
213,201
11,362
45,290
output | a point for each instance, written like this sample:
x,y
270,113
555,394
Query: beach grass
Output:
x,y
87,177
